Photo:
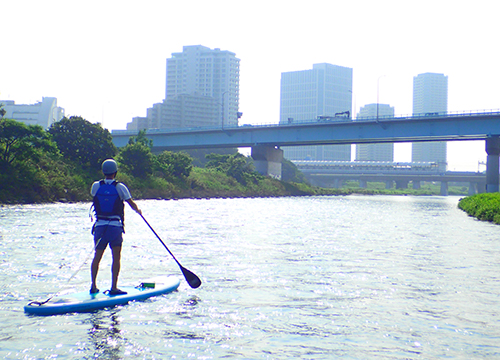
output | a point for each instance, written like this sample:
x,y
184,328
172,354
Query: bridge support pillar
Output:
x,y
337,183
388,184
267,160
363,184
416,184
493,150
444,188
472,188
401,184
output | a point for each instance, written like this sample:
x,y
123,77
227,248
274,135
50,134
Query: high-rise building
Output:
x,y
181,111
375,152
202,72
43,113
318,94
430,97
202,90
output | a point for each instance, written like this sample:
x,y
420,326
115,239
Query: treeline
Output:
x,y
60,164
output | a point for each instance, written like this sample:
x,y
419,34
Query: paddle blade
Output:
x,y
193,280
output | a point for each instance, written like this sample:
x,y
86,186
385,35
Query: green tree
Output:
x,y
174,164
24,151
141,139
2,111
20,142
137,160
237,166
217,161
82,142
200,155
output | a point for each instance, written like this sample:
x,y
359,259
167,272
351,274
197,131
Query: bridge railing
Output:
x,y
315,121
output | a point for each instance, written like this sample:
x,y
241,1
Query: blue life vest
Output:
x,y
107,202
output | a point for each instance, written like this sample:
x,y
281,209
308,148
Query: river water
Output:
x,y
357,277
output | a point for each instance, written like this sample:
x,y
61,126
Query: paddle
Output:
x,y
193,280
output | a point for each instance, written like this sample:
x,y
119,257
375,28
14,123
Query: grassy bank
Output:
x,y
201,183
60,164
484,207
426,189
57,182
209,183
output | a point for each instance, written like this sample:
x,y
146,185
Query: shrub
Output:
x,y
485,206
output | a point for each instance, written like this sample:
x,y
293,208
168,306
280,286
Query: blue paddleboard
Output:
x,y
84,302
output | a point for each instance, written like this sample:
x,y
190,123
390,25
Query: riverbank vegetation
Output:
x,y
59,164
426,188
485,207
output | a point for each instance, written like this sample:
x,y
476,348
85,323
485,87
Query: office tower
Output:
x,y
204,73
375,152
316,95
43,113
202,90
430,97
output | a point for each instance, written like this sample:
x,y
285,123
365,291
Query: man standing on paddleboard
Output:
x,y
109,196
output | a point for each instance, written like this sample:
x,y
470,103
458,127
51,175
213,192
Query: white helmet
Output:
x,y
109,167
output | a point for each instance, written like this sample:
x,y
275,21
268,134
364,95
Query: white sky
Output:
x,y
105,60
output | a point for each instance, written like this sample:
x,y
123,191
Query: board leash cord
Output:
x,y
72,276
39,303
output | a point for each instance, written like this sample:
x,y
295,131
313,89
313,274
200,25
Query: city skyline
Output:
x,y
430,96
114,69
202,90
307,94
375,152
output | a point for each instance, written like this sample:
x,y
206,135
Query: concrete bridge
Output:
x,y
334,173
266,140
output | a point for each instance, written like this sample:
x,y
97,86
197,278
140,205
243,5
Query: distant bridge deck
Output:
x,y
386,169
266,140
433,127
332,173
367,167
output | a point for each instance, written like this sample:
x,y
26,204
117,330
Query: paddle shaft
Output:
x,y
191,278
154,232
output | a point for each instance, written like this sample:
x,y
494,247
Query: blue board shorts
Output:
x,y
111,235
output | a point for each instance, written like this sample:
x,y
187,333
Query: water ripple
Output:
x,y
316,278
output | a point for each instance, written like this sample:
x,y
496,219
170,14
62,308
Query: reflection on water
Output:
x,y
105,335
314,277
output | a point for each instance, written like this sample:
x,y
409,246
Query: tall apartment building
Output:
x,y
182,111
202,89
43,113
430,96
323,91
375,152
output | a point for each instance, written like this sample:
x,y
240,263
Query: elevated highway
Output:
x,y
266,140
334,173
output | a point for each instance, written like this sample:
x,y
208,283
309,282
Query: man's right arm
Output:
x,y
134,206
